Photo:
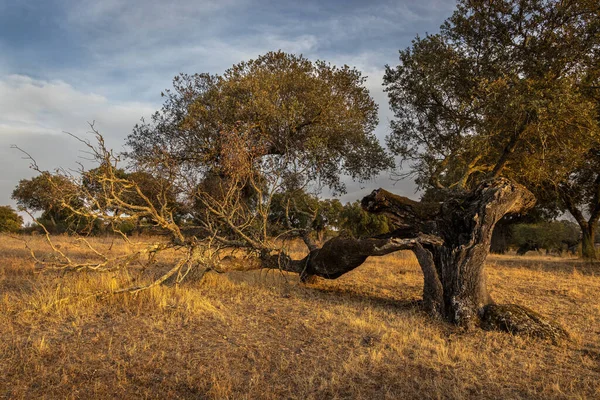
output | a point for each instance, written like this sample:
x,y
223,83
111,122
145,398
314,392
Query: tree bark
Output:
x,y
465,225
341,255
451,241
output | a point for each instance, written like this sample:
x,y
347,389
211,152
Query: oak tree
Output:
x,y
10,221
507,88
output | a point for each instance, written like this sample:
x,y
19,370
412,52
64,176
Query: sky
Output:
x,y
65,63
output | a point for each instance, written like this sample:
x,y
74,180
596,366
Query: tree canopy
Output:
x,y
49,193
503,89
317,117
10,221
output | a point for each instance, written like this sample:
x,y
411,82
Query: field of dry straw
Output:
x,y
264,335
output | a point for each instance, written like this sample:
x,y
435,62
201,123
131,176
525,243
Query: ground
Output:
x,y
263,335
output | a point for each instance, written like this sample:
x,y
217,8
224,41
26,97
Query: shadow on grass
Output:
x,y
358,299
356,296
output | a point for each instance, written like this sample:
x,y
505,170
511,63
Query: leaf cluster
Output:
x,y
506,88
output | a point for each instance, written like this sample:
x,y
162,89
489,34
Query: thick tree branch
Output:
x,y
402,211
509,148
341,255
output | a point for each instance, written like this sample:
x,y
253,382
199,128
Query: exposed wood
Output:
x,y
451,241
404,213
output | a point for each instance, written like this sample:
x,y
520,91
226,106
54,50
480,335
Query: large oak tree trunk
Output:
x,y
455,284
451,241
588,248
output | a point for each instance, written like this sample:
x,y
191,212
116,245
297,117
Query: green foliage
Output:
x,y
503,89
42,193
56,197
127,227
552,236
360,223
299,211
316,119
10,221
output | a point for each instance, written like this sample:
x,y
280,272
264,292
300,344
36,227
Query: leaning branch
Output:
x,y
402,211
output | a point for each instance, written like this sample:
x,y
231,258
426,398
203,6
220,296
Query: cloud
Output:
x,y
33,106
67,62
147,42
35,115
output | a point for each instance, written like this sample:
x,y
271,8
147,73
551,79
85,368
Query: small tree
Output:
x,y
10,221
360,223
45,193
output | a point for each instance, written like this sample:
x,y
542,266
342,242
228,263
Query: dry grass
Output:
x,y
263,335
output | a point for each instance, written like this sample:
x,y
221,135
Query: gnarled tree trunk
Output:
x,y
451,241
455,284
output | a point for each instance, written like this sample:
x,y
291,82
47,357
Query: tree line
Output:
x,y
322,217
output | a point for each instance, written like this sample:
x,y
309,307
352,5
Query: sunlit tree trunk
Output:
x,y
588,248
451,241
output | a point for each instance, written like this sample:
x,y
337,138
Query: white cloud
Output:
x,y
32,106
35,114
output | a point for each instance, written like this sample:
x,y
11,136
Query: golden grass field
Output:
x,y
259,335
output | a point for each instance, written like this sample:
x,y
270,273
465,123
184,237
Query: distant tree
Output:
x,y
360,223
50,194
545,210
10,221
331,214
298,213
556,236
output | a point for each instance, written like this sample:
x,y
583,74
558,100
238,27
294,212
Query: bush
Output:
x,y
554,236
10,221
